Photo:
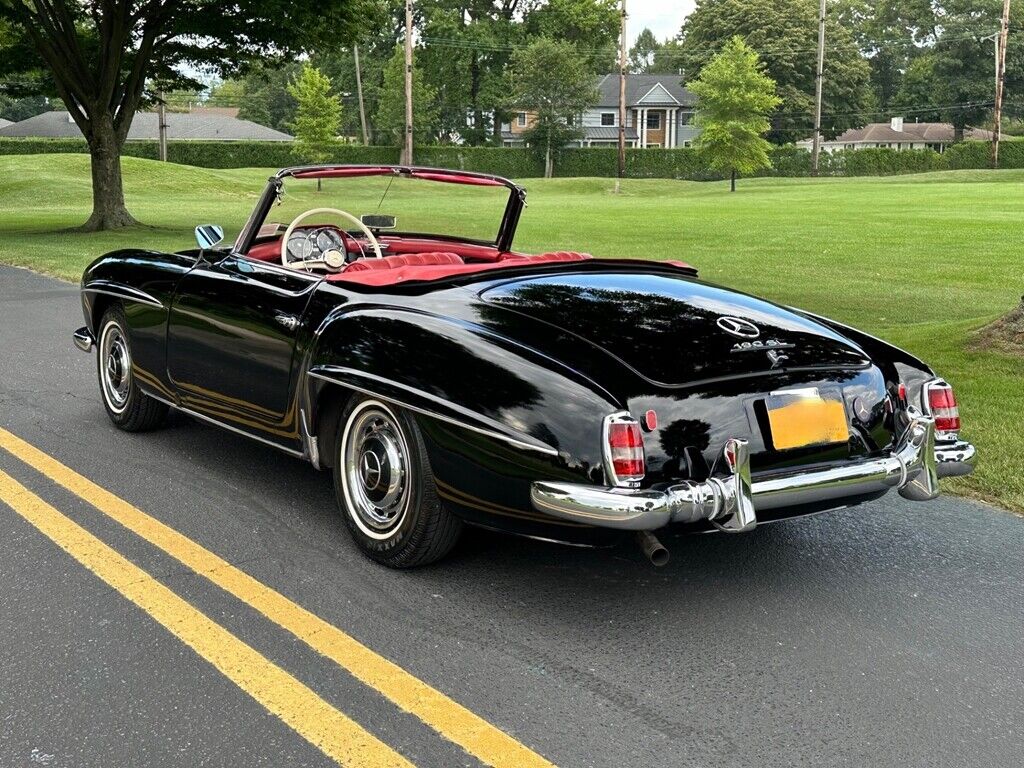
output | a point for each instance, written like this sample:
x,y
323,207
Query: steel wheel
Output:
x,y
376,470
115,367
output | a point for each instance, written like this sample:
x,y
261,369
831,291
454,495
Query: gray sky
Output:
x,y
664,17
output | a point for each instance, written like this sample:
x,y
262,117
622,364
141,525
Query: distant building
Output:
x,y
199,124
659,113
898,134
4,123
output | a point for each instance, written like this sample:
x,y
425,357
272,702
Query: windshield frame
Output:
x,y
503,238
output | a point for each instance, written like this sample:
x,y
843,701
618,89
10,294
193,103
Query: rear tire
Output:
x,y
128,407
385,487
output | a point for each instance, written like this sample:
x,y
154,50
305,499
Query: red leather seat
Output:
x,y
561,256
433,259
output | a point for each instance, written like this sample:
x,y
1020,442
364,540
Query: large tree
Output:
x,y
105,58
318,114
785,33
550,80
643,52
736,97
390,114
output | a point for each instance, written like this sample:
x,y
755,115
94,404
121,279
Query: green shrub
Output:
x,y
978,154
520,163
886,162
511,162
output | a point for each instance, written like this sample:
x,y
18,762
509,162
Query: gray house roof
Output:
x,y
928,132
180,125
645,90
4,123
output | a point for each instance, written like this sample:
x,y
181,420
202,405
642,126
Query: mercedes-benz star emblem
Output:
x,y
370,470
738,327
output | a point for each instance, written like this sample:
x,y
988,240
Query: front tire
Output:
x,y
385,487
128,407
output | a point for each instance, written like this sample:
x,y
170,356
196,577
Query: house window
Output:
x,y
521,119
607,118
653,121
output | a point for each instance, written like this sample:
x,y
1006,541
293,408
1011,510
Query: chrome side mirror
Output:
x,y
208,235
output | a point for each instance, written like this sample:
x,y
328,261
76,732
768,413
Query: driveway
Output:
x,y
881,635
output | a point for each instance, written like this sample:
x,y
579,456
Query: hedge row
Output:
x,y
685,163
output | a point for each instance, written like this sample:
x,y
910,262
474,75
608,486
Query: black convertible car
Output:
x,y
448,379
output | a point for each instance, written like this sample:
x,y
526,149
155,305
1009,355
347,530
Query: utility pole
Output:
x,y
161,119
622,97
359,90
407,154
816,147
1004,29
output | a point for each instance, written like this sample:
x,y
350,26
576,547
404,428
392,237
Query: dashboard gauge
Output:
x,y
334,258
328,239
299,247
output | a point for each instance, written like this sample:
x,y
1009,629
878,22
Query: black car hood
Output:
x,y
667,328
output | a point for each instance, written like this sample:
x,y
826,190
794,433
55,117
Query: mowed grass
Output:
x,y
922,261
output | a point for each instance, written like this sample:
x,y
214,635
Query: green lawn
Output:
x,y
920,260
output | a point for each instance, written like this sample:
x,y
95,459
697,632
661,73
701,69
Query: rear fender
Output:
x,y
478,396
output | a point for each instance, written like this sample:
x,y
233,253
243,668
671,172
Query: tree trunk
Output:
x,y
958,133
548,170
108,208
732,180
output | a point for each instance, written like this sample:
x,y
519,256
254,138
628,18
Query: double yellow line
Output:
x,y
339,737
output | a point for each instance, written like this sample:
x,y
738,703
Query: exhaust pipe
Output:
x,y
652,548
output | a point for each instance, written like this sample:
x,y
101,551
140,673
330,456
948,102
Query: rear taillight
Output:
x,y
941,405
624,449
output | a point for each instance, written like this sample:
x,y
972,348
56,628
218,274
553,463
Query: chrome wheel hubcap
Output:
x,y
376,469
116,364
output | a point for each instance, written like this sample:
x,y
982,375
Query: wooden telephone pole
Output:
x,y
816,146
622,97
407,154
359,90
997,116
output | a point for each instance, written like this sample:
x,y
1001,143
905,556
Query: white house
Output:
x,y
897,134
659,113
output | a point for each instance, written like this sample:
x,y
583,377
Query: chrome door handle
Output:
x,y
291,322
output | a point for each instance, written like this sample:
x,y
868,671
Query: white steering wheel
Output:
x,y
306,264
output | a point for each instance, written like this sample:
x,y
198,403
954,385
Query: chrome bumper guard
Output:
x,y
731,501
84,339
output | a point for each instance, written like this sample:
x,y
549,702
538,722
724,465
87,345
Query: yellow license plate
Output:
x,y
804,417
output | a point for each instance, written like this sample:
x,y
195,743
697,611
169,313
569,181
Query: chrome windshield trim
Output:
x,y
525,441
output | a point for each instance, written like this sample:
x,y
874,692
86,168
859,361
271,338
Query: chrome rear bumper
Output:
x,y
731,501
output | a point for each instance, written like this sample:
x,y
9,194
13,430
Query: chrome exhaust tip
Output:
x,y
653,549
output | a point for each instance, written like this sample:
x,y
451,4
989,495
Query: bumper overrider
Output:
x,y
732,500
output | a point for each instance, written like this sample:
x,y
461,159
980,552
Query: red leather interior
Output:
x,y
435,259
447,267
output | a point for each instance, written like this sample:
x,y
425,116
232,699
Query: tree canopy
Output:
x,y
736,97
551,81
390,115
318,114
107,58
785,34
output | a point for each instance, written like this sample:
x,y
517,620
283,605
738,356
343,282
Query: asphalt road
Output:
x,y
883,635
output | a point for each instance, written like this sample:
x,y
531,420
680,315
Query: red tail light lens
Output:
x,y
942,406
625,449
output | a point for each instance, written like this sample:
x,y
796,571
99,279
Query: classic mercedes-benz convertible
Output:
x,y
447,379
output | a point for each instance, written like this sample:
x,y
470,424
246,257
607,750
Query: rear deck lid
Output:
x,y
675,330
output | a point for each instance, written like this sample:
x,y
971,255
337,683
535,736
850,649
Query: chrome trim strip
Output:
x,y
730,501
228,427
125,292
497,435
